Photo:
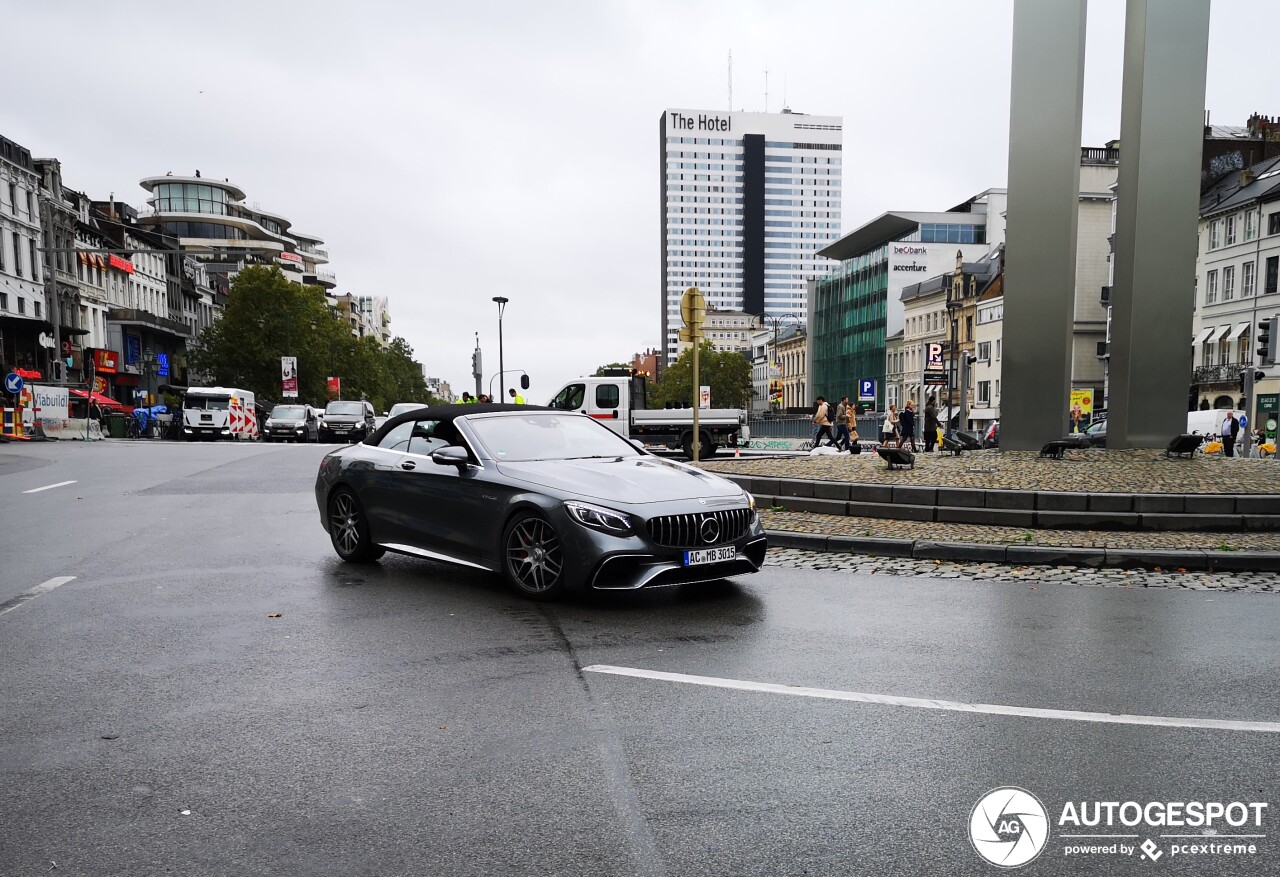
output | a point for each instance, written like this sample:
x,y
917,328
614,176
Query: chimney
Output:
x,y
1247,176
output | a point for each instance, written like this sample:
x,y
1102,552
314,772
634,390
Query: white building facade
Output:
x,y
747,201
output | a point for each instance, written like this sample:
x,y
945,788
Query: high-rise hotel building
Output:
x,y
747,200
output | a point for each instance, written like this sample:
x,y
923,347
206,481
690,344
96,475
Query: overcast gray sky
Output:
x,y
451,152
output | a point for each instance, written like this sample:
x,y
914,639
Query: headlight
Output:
x,y
751,500
597,518
325,424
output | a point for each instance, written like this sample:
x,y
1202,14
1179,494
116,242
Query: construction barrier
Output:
x,y
71,428
11,424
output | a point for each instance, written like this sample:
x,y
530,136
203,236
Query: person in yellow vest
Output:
x,y
516,398
466,399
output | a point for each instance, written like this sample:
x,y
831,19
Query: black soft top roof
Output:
x,y
447,413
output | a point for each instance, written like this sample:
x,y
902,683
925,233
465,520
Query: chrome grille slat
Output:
x,y
682,531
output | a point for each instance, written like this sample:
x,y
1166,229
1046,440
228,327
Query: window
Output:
x,y
1211,288
1231,230
36,305
570,398
1228,283
1224,352
13,199
1246,279
31,214
997,360
1273,223
1273,272
1250,224
984,351
4,301
22,305
1215,234
35,261
1,254
17,255
984,392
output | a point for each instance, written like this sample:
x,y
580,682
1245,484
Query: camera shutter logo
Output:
x,y
1009,827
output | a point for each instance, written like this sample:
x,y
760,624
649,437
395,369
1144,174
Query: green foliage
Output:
x,y
267,317
601,370
728,374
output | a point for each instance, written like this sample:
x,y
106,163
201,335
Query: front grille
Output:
x,y
685,531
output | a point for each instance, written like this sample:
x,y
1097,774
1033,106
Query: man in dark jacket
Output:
x,y
907,425
930,426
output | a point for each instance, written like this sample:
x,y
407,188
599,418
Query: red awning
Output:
x,y
97,399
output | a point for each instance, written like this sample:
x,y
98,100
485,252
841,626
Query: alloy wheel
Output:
x,y
534,559
344,524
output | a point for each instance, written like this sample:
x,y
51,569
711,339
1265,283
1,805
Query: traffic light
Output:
x,y
1267,340
476,370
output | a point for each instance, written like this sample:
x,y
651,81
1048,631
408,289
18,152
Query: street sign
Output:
x,y
13,383
935,365
866,389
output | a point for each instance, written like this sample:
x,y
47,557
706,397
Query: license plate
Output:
x,y
341,431
710,555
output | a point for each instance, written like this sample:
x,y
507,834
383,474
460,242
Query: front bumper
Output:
x,y
607,562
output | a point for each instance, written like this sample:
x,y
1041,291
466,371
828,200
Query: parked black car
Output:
x,y
551,500
347,421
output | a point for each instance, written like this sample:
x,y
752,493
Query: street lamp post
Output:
x,y
953,314
776,322
502,386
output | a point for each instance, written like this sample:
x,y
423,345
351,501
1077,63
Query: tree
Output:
x,y
727,373
613,365
267,317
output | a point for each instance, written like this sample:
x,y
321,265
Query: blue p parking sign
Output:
x,y
866,389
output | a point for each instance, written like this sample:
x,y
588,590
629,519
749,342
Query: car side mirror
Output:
x,y
449,456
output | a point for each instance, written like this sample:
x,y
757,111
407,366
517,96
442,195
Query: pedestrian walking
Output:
x,y
930,426
822,424
516,398
841,424
1230,429
851,425
890,427
907,425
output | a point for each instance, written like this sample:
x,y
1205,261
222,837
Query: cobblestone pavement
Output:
x,y
837,525
863,564
1095,471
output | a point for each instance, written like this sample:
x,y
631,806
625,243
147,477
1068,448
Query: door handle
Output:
x,y
408,464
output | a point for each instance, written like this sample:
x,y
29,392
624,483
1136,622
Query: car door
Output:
x,y
439,509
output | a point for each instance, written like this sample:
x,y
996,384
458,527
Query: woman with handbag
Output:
x,y
890,428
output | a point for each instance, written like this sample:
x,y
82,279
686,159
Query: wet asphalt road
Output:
x,y
411,718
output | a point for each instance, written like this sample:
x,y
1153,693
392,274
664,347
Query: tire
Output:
x,y
349,529
705,451
533,557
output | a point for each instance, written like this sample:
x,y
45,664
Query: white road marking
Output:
x,y
49,487
44,588
923,703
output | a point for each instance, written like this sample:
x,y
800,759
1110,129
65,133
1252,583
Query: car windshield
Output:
x,y
208,403
548,437
402,407
287,412
345,408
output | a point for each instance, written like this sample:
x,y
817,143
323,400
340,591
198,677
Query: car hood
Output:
x,y
631,480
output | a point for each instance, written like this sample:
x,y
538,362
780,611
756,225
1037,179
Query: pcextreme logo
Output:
x,y
1010,827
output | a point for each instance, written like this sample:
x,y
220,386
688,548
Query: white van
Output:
x,y
1209,422
219,413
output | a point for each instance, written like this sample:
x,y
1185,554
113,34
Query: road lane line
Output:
x,y
953,706
44,588
49,487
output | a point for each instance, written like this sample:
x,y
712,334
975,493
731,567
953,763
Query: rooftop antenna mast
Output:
x,y
731,80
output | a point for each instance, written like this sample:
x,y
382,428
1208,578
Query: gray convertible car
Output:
x,y
551,500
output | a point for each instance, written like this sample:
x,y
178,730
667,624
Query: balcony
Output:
x,y
327,279
1217,374
137,317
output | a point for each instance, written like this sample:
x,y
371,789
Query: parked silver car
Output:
x,y
291,423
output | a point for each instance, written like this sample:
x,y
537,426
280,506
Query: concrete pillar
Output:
x,y
1045,107
1161,139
